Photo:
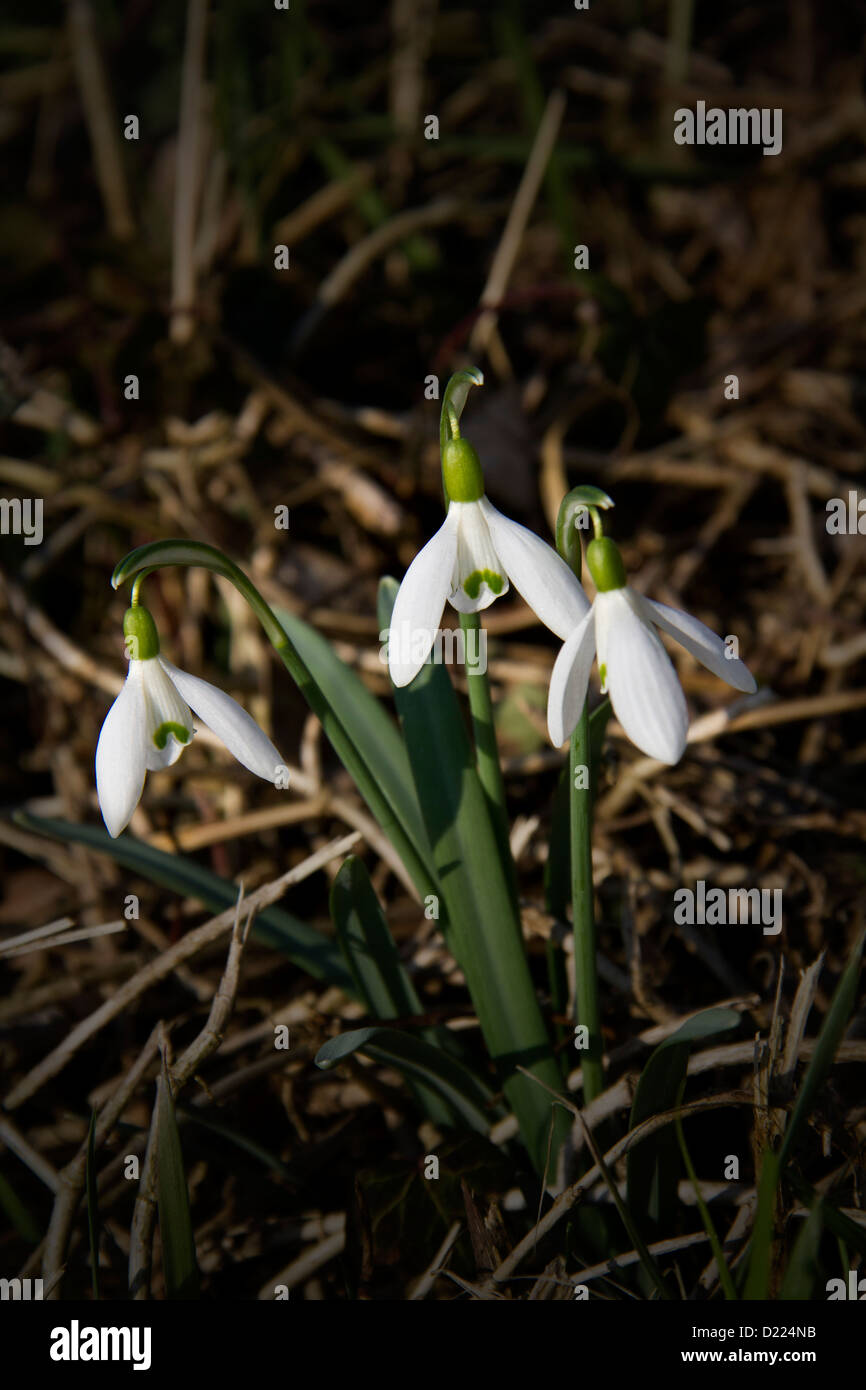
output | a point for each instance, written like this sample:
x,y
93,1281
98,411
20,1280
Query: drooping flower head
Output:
x,y
635,669
472,560
150,724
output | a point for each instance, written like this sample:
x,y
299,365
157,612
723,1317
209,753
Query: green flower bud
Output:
x,y
461,471
142,638
605,564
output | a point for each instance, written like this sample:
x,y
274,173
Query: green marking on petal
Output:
x,y
602,671
160,737
494,582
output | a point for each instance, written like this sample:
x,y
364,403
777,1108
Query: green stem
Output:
x,y
484,732
587,1010
453,401
160,554
557,985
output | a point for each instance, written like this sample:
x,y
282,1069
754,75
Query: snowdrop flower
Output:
x,y
470,562
646,695
150,723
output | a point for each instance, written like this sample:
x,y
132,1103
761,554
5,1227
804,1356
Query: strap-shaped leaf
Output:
x,y
757,1285
804,1265
380,977
653,1166
421,1062
367,743
368,946
175,1223
273,926
480,924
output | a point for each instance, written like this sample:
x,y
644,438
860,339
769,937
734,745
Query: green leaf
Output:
x,y
375,965
273,926
417,1059
480,923
186,1115
758,1278
826,1047
367,743
367,945
840,1225
175,1224
653,1165
803,1267
649,1266
724,1272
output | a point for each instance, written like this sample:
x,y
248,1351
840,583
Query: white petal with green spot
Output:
x,y
168,725
479,576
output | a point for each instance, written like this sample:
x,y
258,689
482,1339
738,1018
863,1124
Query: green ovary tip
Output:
x,y
605,564
461,471
139,630
472,585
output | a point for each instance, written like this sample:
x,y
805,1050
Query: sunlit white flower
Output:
x,y
469,563
150,723
635,669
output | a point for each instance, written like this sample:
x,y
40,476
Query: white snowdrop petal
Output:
x,y
644,690
538,573
230,722
166,717
120,755
420,600
479,575
570,680
704,645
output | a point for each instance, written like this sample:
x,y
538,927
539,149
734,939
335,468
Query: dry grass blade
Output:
x,y
428,1278
300,1269
193,942
72,1177
188,174
56,941
102,122
38,1165
625,1216
176,1076
631,1257
565,1201
518,216
50,929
